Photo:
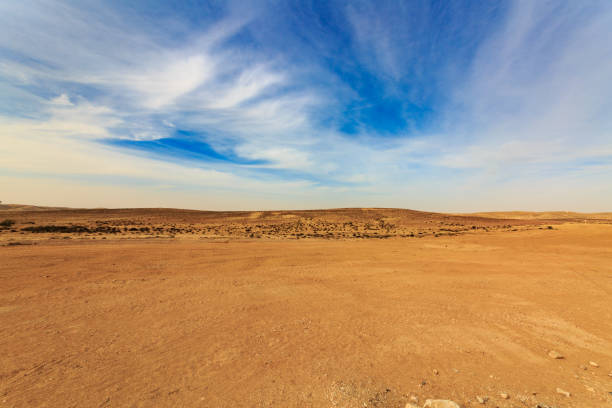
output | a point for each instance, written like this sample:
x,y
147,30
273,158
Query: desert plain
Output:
x,y
327,308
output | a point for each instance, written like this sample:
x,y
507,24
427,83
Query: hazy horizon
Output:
x,y
273,209
434,106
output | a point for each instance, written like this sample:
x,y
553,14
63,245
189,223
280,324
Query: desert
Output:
x,y
306,204
338,308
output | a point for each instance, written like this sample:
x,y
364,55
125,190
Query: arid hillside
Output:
x,y
35,223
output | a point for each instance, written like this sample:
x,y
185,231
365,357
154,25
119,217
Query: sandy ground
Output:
x,y
211,319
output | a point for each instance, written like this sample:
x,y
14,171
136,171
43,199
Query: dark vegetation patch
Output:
x,y
68,229
17,243
7,223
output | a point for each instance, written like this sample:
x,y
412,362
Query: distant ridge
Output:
x,y
509,215
539,215
25,207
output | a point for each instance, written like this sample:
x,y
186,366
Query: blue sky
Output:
x,y
434,105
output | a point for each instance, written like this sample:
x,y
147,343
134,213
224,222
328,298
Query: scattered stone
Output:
x,y
440,404
594,364
584,367
504,395
414,398
482,400
554,354
563,392
436,372
589,388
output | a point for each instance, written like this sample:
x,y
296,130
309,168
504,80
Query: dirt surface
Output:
x,y
196,312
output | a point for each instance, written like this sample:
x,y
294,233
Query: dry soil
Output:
x,y
342,308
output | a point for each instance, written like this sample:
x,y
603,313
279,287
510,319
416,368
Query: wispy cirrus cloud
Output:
x,y
436,106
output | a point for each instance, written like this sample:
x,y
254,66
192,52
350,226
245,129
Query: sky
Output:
x,y
453,106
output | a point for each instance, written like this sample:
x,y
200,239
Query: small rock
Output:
x,y
584,367
554,354
414,398
482,400
436,372
504,395
589,388
594,364
409,405
440,404
610,374
563,392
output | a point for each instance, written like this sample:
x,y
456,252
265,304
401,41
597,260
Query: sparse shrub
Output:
x,y
16,243
57,228
7,223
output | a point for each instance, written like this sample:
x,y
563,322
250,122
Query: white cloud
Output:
x,y
62,100
162,86
537,100
249,84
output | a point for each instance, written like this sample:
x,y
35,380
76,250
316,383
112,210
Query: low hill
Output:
x,y
340,223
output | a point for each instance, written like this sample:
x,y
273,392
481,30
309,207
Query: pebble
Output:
x,y
436,372
554,354
589,388
504,395
563,392
610,374
584,367
440,404
414,398
482,400
594,364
